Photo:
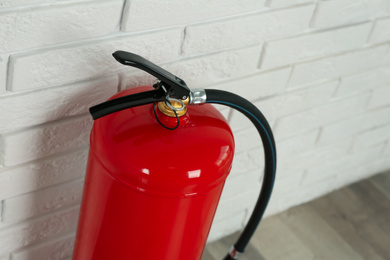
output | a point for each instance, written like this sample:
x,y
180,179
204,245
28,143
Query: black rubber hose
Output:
x,y
262,126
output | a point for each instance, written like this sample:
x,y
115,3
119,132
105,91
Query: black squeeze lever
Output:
x,y
169,84
176,87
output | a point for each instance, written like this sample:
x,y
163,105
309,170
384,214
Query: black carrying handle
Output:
x,y
121,103
169,85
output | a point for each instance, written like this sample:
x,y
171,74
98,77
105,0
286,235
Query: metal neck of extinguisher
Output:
x,y
172,88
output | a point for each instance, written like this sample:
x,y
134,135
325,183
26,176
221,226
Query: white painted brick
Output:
x,y
365,81
259,85
42,141
372,137
284,3
378,8
42,202
250,181
247,139
247,161
297,101
40,174
150,14
207,70
79,62
340,65
338,166
387,150
3,72
136,78
246,30
239,122
295,164
381,31
298,49
354,125
380,97
343,129
32,108
319,116
28,233
15,3
297,144
285,104
341,12
57,24
56,249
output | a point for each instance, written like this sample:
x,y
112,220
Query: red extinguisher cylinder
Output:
x,y
151,193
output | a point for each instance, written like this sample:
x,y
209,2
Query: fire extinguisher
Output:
x,y
159,157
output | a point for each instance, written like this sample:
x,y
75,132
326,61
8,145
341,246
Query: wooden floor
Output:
x,y
352,223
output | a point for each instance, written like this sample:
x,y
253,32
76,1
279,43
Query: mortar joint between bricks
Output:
x,y
122,15
183,38
1,210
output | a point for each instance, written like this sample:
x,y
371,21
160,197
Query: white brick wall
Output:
x,y
379,27
42,201
39,229
372,137
45,105
57,249
313,45
321,115
244,30
41,141
286,3
14,3
363,82
150,14
341,12
337,66
49,25
3,72
82,61
39,174
319,71
378,8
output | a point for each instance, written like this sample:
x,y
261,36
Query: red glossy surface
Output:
x,y
151,193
